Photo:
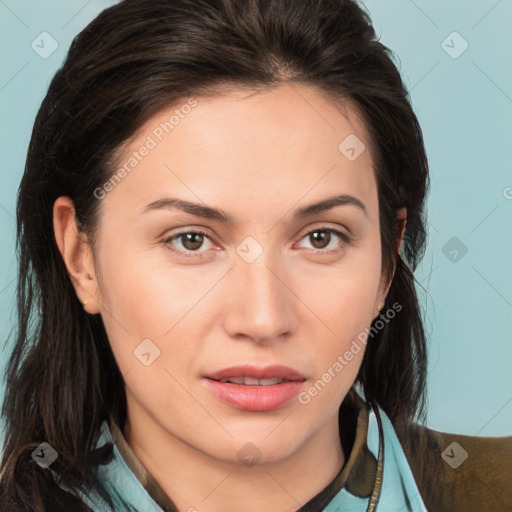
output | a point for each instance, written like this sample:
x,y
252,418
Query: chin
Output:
x,y
251,449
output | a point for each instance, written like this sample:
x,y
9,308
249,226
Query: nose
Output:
x,y
260,306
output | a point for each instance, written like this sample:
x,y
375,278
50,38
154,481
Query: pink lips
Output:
x,y
279,385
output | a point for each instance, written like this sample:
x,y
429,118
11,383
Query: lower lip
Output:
x,y
255,398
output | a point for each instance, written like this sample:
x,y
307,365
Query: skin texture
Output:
x,y
258,157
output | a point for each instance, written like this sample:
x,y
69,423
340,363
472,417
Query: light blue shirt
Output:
x,y
395,488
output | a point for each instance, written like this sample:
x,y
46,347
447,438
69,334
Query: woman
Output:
x,y
222,208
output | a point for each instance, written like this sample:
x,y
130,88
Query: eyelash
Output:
x,y
343,236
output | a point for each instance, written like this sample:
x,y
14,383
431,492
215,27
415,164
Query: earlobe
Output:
x,y
381,298
402,221
76,254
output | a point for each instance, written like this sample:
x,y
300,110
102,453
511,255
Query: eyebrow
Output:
x,y
217,214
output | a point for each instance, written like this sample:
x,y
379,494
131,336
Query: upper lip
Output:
x,y
264,372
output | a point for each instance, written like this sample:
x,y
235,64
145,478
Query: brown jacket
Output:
x,y
481,483
453,472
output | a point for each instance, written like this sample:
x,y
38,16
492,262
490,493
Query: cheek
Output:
x,y
142,295
345,300
143,299
337,368
343,304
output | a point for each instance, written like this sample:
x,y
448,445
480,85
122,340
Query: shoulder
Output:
x,y
459,473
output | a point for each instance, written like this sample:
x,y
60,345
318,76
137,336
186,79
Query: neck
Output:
x,y
195,481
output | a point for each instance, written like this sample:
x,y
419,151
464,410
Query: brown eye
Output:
x,y
320,239
191,241
187,243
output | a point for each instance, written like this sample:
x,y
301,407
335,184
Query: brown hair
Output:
x,y
131,61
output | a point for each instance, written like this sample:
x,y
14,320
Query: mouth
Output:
x,y
251,381
255,389
250,375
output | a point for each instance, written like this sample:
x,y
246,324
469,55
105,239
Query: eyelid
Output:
x,y
338,231
327,227
346,238
197,254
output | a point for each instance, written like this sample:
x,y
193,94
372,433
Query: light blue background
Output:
x,y
464,105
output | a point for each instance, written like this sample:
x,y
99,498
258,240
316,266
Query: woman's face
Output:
x,y
269,291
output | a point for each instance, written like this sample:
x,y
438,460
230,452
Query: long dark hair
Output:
x,y
134,59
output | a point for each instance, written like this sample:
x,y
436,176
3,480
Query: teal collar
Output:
x,y
392,487
395,488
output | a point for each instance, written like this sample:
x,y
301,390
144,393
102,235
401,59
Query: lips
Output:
x,y
251,374
251,381
255,389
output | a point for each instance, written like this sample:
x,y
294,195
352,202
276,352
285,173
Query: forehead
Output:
x,y
288,141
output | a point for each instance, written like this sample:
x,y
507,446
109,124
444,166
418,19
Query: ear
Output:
x,y
76,253
401,217
384,287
